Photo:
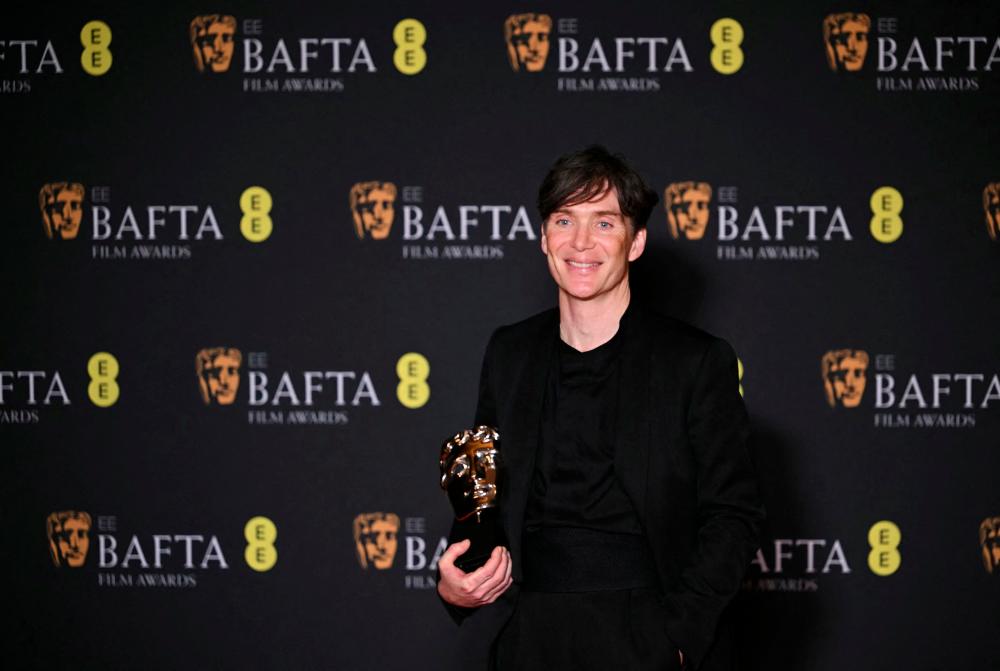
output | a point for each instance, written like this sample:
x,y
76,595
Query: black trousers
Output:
x,y
618,630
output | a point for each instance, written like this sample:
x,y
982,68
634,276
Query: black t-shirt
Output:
x,y
574,483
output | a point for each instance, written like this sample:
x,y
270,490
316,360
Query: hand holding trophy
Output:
x,y
469,473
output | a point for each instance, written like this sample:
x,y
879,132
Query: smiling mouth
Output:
x,y
582,266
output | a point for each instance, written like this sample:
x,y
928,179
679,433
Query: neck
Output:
x,y
587,324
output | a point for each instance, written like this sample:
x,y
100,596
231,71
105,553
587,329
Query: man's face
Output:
x,y
73,541
531,45
690,214
223,379
63,212
850,44
215,44
589,246
377,211
848,381
379,541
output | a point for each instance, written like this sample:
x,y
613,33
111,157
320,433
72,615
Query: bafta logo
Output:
x,y
212,38
991,207
69,537
687,209
375,539
373,206
62,209
218,371
989,542
844,376
846,38
527,37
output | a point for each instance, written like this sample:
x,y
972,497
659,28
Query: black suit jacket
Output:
x,y
680,455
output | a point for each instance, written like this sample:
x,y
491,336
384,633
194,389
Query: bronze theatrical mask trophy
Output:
x,y
469,463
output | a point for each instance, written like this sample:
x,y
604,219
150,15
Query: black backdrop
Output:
x,y
783,131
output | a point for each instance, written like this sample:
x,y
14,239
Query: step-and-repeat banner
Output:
x,y
254,252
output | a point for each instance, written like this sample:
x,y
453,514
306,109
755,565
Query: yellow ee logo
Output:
x,y
409,35
103,370
726,36
886,204
96,57
884,538
413,369
739,373
255,204
260,554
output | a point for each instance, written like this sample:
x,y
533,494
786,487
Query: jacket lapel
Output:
x,y
631,424
524,427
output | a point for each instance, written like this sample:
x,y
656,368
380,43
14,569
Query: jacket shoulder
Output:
x,y
526,330
679,337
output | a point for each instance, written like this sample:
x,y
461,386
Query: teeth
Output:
x,y
575,264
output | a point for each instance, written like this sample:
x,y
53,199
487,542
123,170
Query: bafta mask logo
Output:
x,y
991,207
62,209
375,539
69,537
218,371
373,206
846,38
527,37
687,209
989,541
212,38
844,376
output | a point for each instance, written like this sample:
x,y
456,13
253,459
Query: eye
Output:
x,y
605,225
562,222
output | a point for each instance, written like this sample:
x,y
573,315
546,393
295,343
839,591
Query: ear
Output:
x,y
638,245
545,242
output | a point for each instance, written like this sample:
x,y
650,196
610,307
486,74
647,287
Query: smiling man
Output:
x,y
627,494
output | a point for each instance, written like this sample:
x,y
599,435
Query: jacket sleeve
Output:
x,y
485,414
728,505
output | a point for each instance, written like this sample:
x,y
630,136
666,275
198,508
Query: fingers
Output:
x,y
498,575
504,583
478,588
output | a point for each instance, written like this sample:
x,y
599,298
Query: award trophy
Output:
x,y
469,462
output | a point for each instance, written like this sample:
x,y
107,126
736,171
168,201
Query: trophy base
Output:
x,y
485,533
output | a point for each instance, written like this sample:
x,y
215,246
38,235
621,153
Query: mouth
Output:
x,y
583,266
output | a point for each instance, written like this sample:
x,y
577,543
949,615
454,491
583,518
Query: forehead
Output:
x,y
606,201
223,360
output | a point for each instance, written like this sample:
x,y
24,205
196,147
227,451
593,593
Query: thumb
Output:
x,y
454,550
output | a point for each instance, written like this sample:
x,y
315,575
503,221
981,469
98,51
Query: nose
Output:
x,y
582,239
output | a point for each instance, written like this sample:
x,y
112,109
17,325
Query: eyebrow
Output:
x,y
600,213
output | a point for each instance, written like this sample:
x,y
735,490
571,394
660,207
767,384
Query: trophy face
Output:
x,y
469,471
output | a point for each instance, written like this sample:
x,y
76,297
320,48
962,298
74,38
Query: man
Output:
x,y
626,493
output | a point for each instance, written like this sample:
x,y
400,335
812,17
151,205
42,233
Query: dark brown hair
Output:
x,y
582,175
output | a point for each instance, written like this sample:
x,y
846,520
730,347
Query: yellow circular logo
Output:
x,y
96,57
255,204
103,369
884,538
727,36
413,369
886,203
260,553
409,35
